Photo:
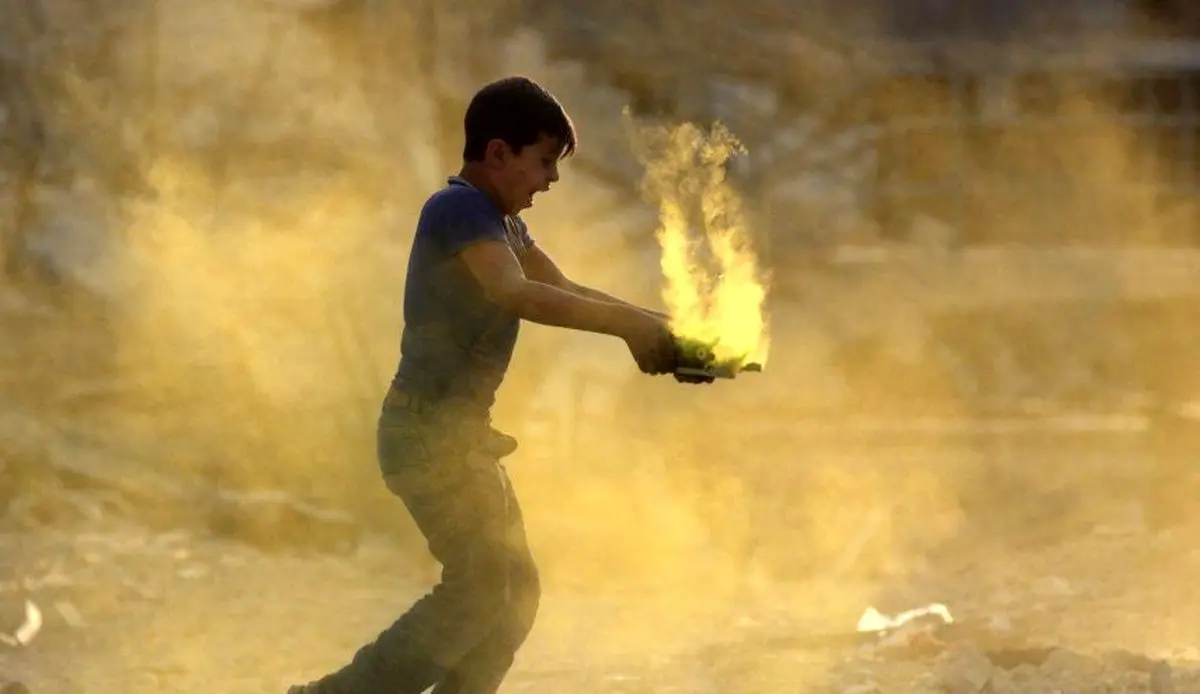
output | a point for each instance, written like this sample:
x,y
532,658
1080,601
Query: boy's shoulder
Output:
x,y
458,197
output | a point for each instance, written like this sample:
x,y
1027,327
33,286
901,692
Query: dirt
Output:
x,y
127,610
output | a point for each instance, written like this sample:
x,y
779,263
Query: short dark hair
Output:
x,y
518,111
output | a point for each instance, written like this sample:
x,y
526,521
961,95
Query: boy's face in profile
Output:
x,y
518,177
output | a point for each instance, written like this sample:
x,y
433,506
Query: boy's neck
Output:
x,y
473,174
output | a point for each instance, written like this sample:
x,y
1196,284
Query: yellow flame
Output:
x,y
720,301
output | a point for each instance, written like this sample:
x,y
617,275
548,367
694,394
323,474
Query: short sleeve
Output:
x,y
518,235
462,221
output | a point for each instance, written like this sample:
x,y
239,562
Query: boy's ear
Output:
x,y
496,152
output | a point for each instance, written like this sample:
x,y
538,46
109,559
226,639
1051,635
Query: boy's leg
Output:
x,y
465,508
483,668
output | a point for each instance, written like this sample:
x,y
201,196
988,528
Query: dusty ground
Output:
x,y
130,611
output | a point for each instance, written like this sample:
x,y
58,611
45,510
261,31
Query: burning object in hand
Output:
x,y
714,287
699,360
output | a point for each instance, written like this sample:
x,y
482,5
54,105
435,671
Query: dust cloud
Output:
x,y
261,275
960,347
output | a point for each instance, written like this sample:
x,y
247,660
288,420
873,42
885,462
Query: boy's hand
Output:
x,y
651,343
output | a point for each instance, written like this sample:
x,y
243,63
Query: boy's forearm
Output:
x,y
549,305
597,295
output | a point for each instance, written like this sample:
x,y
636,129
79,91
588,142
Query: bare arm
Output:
x,y
540,267
598,295
504,281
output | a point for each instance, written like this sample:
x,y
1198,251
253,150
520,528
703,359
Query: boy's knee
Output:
x,y
504,590
481,591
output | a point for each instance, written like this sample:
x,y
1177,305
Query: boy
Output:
x,y
474,274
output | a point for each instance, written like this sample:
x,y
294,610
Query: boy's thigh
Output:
x,y
460,498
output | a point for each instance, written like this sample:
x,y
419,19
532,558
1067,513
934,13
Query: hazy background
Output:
x,y
981,259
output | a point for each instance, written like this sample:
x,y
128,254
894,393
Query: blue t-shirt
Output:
x,y
456,344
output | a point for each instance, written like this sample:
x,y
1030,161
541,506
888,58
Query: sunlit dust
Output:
x,y
986,398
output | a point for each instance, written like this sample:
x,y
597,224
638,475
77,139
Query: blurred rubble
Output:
x,y
135,608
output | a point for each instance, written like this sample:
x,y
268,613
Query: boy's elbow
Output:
x,y
510,295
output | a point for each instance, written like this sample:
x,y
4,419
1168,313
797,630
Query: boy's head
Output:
x,y
516,133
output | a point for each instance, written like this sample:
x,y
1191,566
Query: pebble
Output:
x,y
1162,680
1055,586
1065,666
1001,682
193,572
70,614
999,623
964,671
